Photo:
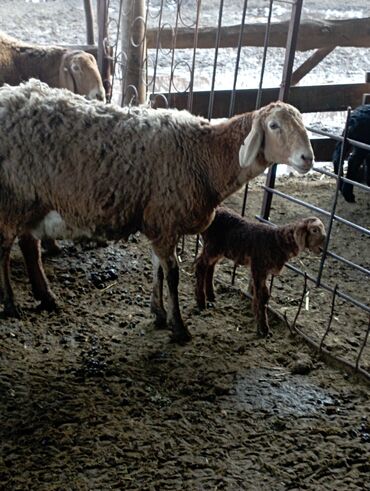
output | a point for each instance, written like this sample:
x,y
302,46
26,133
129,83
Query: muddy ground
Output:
x,y
94,398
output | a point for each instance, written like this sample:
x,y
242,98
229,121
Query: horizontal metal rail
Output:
x,y
348,262
356,184
330,289
339,138
316,208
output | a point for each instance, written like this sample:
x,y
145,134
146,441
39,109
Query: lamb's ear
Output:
x,y
65,77
300,236
252,144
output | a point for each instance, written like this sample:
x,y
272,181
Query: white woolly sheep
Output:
x,y
60,67
264,248
114,171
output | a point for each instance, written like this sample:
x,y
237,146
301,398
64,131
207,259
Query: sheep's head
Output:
x,y
79,73
278,134
310,233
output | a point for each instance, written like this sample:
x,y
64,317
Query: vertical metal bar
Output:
x,y
173,52
191,85
363,345
218,36
115,55
284,92
89,22
233,92
330,318
265,46
304,291
157,46
335,200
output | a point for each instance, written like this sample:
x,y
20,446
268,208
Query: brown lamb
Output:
x,y
264,248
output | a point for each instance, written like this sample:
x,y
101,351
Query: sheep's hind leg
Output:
x,y
31,250
156,303
170,267
10,307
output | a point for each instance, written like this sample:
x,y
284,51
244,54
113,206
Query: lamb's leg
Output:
x,y
260,300
170,267
210,293
200,273
10,307
156,304
31,249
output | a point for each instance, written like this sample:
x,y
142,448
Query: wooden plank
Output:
x,y
313,34
310,63
307,99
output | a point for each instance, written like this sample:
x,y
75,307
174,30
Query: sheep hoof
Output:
x,y
180,336
263,332
12,310
160,319
350,198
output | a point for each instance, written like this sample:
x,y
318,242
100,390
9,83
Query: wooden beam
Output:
x,y
307,99
313,34
310,63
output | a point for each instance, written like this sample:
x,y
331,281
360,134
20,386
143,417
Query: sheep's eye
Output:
x,y
273,125
314,230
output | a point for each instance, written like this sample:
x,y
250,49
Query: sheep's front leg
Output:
x,y
156,303
171,273
260,299
10,308
31,249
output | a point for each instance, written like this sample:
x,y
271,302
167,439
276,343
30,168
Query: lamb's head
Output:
x,y
79,73
310,233
278,136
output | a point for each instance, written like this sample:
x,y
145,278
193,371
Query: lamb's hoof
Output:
x,y
12,310
180,336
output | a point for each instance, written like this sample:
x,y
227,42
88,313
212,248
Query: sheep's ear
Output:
x,y
65,77
252,144
300,236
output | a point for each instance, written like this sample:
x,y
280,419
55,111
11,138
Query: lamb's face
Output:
x,y
81,75
285,137
316,235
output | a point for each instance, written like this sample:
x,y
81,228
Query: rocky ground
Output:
x,y
94,398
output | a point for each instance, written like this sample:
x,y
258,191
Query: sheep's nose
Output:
x,y
307,159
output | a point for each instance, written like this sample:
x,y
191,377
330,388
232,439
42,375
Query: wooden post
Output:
x,y
310,63
104,59
133,52
89,22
